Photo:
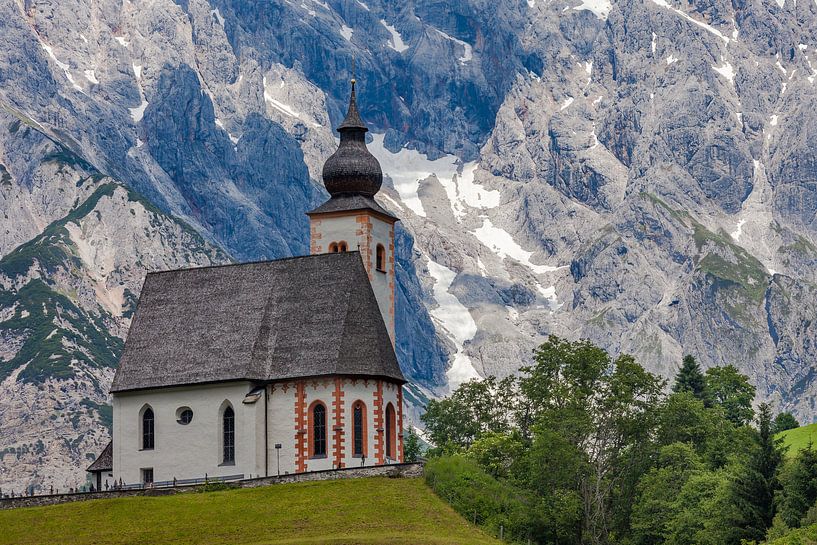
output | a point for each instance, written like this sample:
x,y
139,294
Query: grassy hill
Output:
x,y
799,438
345,512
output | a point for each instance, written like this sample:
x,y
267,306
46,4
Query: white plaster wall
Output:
x,y
186,451
282,427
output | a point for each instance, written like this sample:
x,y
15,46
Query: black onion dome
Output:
x,y
352,169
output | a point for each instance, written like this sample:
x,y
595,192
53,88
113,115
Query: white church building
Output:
x,y
269,368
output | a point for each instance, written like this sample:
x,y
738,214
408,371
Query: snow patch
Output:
x,y
137,71
566,103
364,6
90,76
726,70
65,68
407,168
285,109
139,112
455,320
396,41
780,3
654,36
671,59
122,41
738,230
708,28
600,7
502,244
468,51
346,32
773,120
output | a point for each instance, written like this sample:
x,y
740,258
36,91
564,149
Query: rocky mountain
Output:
x,y
641,173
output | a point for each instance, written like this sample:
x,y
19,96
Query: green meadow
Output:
x,y
379,511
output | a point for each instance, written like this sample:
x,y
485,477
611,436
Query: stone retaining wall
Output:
x,y
393,471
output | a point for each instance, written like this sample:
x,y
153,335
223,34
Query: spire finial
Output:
x,y
353,120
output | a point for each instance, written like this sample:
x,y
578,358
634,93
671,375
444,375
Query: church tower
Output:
x,y
351,219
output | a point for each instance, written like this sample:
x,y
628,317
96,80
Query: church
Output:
x,y
274,367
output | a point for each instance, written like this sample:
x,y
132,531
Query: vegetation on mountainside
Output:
x,y
583,449
373,511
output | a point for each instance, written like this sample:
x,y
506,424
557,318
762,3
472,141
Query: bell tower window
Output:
x,y
381,258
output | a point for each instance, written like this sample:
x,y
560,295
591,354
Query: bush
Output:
x,y
480,498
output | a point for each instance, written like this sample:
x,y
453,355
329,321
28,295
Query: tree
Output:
x,y
798,487
785,421
730,389
476,407
603,411
658,490
690,379
755,484
412,447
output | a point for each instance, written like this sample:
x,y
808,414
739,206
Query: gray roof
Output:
x,y
276,320
346,202
103,462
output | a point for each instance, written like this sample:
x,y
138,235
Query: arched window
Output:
x,y
390,450
359,430
147,429
342,246
317,430
333,248
381,258
228,435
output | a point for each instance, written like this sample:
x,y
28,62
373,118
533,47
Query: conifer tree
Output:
x,y
690,379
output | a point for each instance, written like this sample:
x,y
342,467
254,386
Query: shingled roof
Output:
x,y
103,462
348,202
276,320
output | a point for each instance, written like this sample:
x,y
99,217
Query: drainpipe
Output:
x,y
266,430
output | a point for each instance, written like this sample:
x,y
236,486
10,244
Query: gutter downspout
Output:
x,y
266,430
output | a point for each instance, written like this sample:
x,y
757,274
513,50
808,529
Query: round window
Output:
x,y
184,415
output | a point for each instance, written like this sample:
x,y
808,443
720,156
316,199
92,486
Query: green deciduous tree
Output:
x,y
798,487
412,446
730,389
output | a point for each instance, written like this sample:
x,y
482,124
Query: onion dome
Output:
x,y
352,169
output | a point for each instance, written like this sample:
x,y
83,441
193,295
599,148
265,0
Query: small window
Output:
x,y
333,248
147,429
319,430
184,415
228,430
147,475
381,258
342,246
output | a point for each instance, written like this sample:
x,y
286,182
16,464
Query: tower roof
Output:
x,y
352,169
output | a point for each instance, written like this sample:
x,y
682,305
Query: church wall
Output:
x,y
186,451
289,418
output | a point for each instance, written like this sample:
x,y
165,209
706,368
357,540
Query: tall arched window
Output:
x,y
381,258
359,430
333,248
390,450
147,429
317,431
342,246
228,435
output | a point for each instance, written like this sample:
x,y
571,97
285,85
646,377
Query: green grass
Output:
x,y
345,512
798,439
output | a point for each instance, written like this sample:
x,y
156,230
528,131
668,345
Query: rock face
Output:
x,y
641,173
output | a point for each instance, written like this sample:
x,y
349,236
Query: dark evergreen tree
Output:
x,y
690,379
785,421
755,484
